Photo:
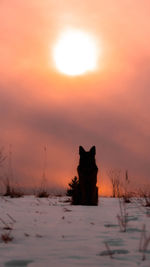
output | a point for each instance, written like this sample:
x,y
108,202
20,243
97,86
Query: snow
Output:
x,y
51,232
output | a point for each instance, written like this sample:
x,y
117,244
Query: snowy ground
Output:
x,y
50,232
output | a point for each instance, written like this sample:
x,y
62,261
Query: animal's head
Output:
x,y
87,158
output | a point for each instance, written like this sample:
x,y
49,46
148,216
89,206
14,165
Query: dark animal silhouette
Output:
x,y
86,192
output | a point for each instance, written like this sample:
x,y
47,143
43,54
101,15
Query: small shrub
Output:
x,y
42,194
13,193
72,186
114,176
127,197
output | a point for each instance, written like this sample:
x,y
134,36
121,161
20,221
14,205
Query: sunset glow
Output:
x,y
75,53
75,73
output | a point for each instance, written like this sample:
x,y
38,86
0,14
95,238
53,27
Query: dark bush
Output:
x,y
72,186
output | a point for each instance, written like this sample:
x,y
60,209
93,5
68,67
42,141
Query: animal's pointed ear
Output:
x,y
93,150
81,150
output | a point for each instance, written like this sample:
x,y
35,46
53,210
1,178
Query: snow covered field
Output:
x,y
51,232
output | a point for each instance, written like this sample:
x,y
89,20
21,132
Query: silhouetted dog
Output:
x,y
86,192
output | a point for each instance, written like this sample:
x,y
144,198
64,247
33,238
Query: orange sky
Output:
x,y
108,108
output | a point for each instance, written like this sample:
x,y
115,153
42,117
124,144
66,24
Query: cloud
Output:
x,y
109,108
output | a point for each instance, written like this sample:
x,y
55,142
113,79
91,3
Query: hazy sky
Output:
x,y
108,108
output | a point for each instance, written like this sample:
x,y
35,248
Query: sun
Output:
x,y
75,52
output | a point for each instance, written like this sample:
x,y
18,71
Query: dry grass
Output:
x,y
123,216
12,192
42,194
6,237
144,242
7,227
127,197
145,197
110,253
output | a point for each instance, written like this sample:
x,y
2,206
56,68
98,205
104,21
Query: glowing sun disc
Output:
x,y
75,53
